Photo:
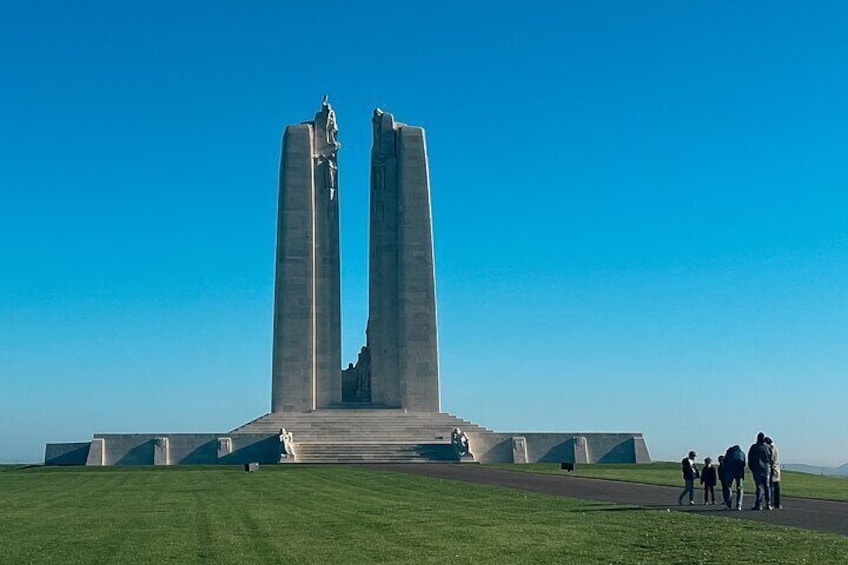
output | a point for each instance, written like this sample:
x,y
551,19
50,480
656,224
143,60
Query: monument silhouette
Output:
x,y
385,407
399,365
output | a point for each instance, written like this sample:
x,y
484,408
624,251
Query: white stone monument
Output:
x,y
399,366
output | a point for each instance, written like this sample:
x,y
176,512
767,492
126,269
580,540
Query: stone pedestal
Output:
x,y
519,450
581,449
640,450
225,447
96,453
161,452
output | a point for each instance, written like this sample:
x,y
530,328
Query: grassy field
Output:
x,y
802,485
342,515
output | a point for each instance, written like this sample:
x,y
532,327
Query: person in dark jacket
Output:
x,y
734,470
690,473
708,479
760,463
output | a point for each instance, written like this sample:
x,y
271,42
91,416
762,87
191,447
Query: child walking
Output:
x,y
722,477
708,479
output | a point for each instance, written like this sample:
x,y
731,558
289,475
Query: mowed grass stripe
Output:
x,y
338,514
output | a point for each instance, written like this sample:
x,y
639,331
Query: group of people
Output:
x,y
763,460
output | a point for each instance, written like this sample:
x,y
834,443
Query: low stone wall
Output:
x,y
167,449
238,449
540,447
66,453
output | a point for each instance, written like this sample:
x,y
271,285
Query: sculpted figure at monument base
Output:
x,y
356,379
461,444
286,446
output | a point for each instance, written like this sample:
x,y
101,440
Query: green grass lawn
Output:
x,y
802,485
342,515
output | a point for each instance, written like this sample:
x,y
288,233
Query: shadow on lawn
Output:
x,y
619,508
5,468
696,509
606,508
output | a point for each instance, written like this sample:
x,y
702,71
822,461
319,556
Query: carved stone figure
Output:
x,y
286,444
377,127
363,374
460,443
332,128
332,175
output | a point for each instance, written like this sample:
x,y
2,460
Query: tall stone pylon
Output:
x,y
306,365
402,334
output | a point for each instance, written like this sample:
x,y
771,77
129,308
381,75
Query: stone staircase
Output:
x,y
374,452
366,435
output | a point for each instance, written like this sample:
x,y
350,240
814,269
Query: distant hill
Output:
x,y
841,471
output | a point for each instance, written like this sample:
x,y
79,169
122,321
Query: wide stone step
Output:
x,y
365,420
366,435
362,419
333,452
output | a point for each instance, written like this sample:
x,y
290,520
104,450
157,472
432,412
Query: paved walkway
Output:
x,y
821,515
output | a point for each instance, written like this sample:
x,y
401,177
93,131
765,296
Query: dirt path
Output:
x,y
821,515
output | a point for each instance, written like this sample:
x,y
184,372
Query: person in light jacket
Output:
x,y
775,474
690,473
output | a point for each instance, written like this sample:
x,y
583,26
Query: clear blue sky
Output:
x,y
640,210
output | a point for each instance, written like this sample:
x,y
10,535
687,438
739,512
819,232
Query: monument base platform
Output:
x,y
366,435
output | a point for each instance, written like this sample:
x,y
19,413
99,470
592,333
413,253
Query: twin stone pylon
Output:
x,y
399,365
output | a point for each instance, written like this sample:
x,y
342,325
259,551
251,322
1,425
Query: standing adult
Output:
x,y
775,474
725,488
690,473
760,463
734,471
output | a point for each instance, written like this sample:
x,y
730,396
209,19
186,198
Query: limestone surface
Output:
x,y
385,407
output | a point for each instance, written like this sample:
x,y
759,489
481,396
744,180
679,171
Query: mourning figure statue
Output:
x,y
459,440
286,444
